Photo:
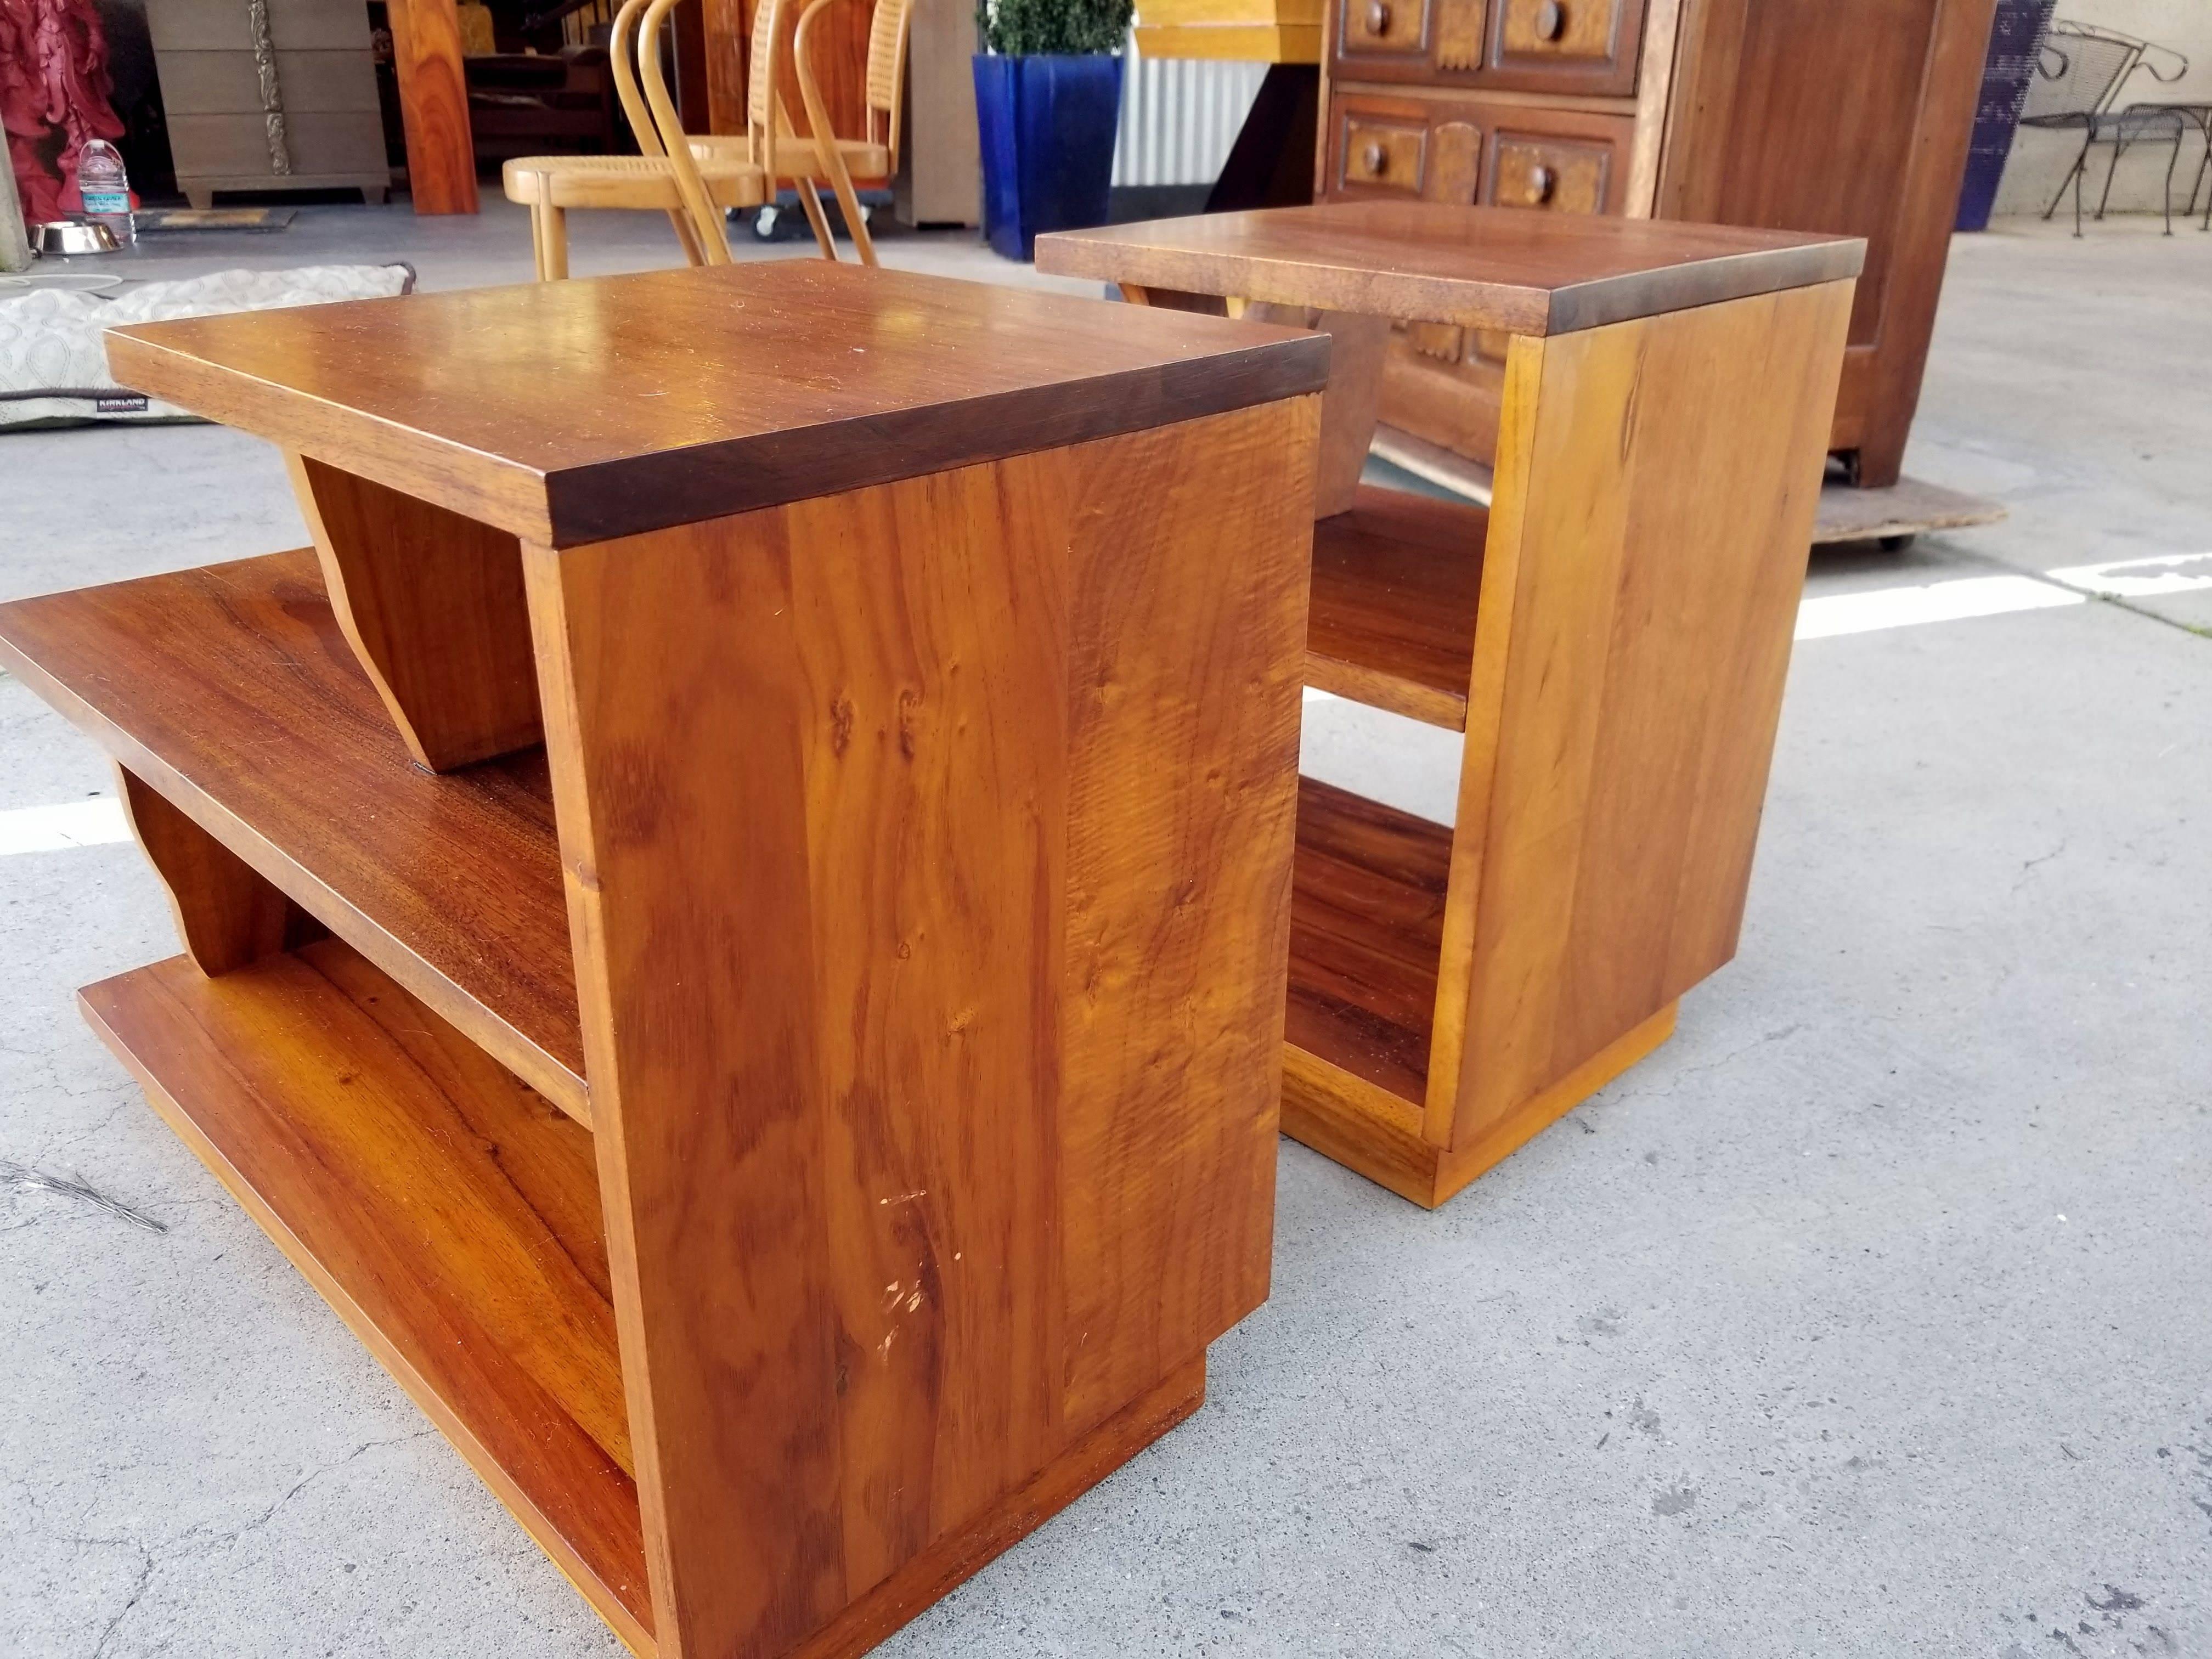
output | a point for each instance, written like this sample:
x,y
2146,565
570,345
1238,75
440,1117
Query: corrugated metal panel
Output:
x,y
1180,115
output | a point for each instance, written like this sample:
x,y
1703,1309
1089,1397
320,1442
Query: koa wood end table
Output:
x,y
735,905
1610,635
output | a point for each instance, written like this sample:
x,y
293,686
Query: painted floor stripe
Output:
x,y
1830,614
99,822
2142,579
96,822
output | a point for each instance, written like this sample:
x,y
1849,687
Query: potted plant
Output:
x,y
1047,103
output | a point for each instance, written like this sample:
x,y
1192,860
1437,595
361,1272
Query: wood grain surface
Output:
x,y
1366,928
1395,583
578,411
1344,1116
434,104
231,691
226,913
1476,267
449,1215
1651,519
1855,115
945,1133
433,605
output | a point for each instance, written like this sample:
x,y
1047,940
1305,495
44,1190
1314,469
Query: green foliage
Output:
x,y
1036,28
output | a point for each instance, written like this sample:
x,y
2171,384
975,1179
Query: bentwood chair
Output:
x,y
768,145
550,184
825,157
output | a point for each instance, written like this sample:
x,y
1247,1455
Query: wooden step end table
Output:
x,y
1610,635
735,904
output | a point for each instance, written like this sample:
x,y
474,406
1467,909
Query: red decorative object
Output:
x,y
54,91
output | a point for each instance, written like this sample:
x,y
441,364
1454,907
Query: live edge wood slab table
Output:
x,y
735,904
1611,636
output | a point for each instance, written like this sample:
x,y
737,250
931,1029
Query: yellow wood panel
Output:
x,y
1655,488
1253,43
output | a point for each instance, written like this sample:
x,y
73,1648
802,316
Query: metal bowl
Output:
x,y
70,239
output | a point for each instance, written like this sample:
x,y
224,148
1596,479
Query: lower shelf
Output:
x,y
1367,906
449,1215
1367,911
1395,586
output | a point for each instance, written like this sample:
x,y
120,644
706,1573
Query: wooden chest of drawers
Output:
x,y
1843,116
269,96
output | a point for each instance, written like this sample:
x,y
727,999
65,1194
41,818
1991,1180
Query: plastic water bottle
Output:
x,y
107,191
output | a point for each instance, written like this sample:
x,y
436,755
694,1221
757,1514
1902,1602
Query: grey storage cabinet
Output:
x,y
269,95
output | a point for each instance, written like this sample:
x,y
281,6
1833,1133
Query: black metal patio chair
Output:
x,y
2079,78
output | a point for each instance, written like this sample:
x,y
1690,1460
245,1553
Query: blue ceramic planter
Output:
x,y
1047,126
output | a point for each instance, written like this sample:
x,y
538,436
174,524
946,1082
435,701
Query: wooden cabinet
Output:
x,y
1843,116
1442,383
1467,150
1565,46
793,1094
274,99
1384,29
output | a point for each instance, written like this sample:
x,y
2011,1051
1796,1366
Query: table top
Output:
x,y
1515,270
575,412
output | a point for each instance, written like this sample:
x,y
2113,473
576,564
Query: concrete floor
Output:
x,y
1872,1315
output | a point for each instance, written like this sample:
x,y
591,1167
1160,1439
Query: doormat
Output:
x,y
165,221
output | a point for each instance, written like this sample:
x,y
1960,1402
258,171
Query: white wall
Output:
x,y
2040,159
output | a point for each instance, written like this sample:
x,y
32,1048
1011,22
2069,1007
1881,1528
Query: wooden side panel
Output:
x,y
228,913
434,103
1851,116
1654,505
1348,405
947,1131
433,605
1189,551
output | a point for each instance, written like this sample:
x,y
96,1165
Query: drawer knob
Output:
x,y
1378,17
1542,182
1372,158
1551,21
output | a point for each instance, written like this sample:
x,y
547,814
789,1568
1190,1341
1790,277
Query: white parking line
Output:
x,y
99,822
1830,614
2142,579
96,822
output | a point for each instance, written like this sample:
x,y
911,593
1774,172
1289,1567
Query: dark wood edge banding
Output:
x,y
635,494
1470,302
1709,282
497,491
638,494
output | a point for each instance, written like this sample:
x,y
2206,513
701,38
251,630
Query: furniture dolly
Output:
x,y
1610,635
788,1081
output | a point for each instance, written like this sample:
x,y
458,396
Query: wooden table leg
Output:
x,y
434,104
433,605
1349,407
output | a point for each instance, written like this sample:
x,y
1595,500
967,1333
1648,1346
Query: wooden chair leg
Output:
x,y
556,244
848,203
684,235
538,238
815,217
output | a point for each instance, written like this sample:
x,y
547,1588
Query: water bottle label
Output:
x,y
107,201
